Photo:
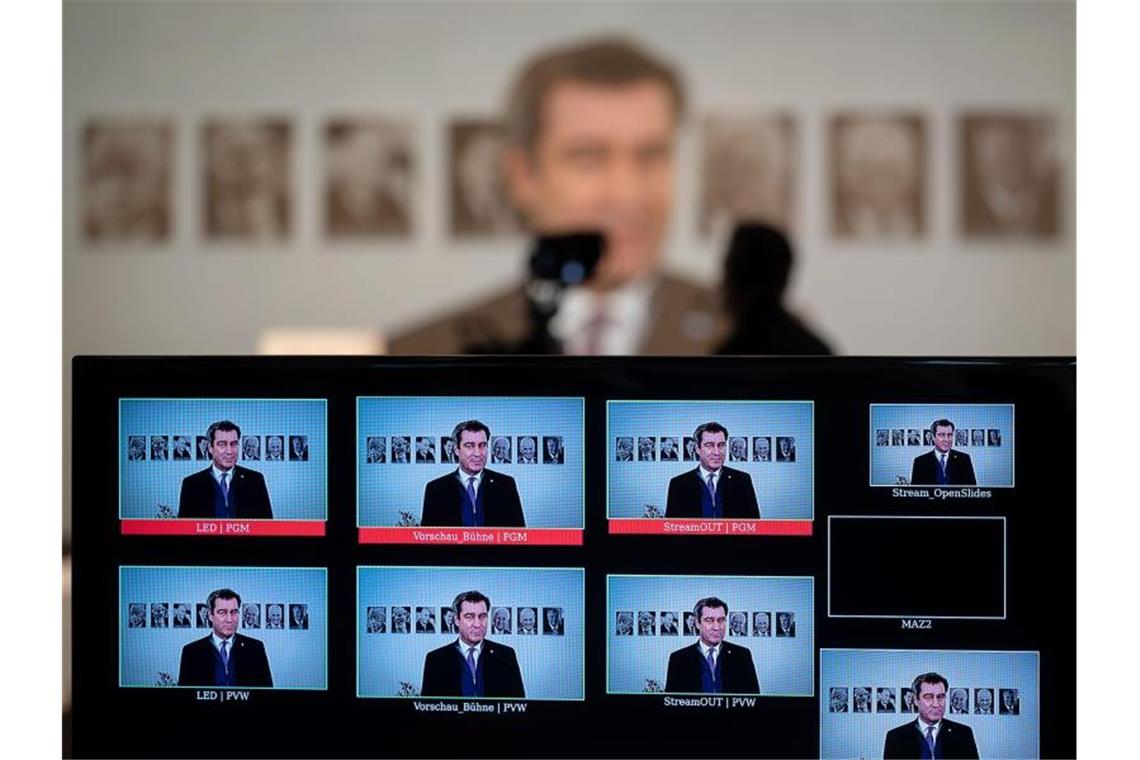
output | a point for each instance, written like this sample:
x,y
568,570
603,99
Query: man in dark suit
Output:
x,y
712,490
943,466
447,451
711,665
614,105
931,735
472,666
224,490
786,624
225,657
472,495
552,452
553,624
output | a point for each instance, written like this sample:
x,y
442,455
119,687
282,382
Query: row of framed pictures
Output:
x,y
877,185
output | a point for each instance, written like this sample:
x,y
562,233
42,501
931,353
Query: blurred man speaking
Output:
x,y
591,131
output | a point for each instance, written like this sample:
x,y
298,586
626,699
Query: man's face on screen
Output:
x,y
526,619
603,160
526,448
224,617
943,438
931,701
711,450
985,701
501,448
472,450
472,621
273,446
710,624
224,448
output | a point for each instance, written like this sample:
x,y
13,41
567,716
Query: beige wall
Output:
x,y
431,61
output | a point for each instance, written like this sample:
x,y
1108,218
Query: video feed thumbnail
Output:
x,y
928,703
685,634
720,463
500,633
236,627
493,470
942,445
231,465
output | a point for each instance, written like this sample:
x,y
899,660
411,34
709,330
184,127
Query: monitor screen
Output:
x,y
561,557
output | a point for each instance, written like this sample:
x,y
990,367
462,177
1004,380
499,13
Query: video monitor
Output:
x,y
470,470
470,633
659,630
223,628
527,553
710,467
222,467
880,703
942,447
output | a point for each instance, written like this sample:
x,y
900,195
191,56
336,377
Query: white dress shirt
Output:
x,y
923,725
464,477
705,477
218,475
625,311
217,642
464,646
705,648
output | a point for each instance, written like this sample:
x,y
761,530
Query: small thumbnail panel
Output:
x,y
471,632
222,459
487,464
661,628
947,445
972,586
710,460
238,627
882,702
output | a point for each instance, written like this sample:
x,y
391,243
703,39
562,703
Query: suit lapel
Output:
x,y
725,477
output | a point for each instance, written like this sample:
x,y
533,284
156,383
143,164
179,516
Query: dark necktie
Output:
x,y
712,488
942,469
225,656
930,739
471,491
471,661
711,659
226,493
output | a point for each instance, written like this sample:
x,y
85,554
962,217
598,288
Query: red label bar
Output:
x,y
713,527
487,536
222,527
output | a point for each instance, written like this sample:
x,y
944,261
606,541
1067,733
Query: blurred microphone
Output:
x,y
557,262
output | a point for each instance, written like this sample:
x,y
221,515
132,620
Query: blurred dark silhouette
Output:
x,y
756,273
